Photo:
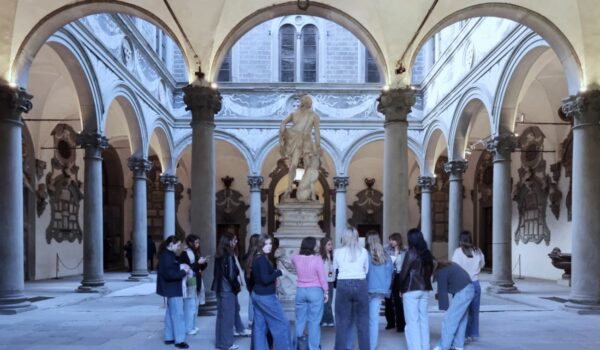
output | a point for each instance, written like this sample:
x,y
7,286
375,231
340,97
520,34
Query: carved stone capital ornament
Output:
x,y
169,182
139,166
455,168
255,182
583,109
427,183
502,146
93,142
396,104
13,102
203,101
340,182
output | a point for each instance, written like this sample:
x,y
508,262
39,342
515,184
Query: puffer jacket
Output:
x,y
415,275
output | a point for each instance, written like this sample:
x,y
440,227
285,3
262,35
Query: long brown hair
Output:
x,y
378,254
224,246
466,244
261,243
324,252
163,246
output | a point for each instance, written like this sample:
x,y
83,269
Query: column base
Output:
x,y
139,277
502,288
15,306
583,307
92,289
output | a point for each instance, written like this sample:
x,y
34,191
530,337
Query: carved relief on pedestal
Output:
x,y
64,188
532,190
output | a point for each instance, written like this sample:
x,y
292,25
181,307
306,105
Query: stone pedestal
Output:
x,y
298,220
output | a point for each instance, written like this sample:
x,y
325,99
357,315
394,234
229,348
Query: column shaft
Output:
x,y
341,219
93,230
170,210
584,110
427,183
139,167
12,275
455,168
255,183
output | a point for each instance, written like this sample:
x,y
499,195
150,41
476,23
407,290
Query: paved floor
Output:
x,y
131,317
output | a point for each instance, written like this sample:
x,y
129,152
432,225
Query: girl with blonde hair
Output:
x,y
379,279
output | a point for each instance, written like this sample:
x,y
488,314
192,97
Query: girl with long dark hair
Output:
x,y
169,285
268,314
415,283
191,256
394,309
327,256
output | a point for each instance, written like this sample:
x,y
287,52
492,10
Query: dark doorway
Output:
x,y
113,193
482,209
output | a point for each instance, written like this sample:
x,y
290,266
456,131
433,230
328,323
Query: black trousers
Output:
x,y
394,311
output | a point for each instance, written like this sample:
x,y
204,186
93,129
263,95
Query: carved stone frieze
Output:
x,y
532,191
343,139
255,139
396,104
64,188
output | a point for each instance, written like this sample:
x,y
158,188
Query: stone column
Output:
x,y
170,212
93,211
204,102
255,183
341,221
13,102
456,169
501,148
139,167
395,104
427,183
584,109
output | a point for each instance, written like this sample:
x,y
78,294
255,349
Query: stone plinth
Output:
x,y
298,220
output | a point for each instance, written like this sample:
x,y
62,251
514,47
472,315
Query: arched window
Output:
x,y
371,70
287,53
225,71
309,54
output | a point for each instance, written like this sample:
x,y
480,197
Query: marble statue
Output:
x,y
298,143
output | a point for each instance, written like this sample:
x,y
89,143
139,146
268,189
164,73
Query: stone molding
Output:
x,y
396,104
13,102
455,168
139,166
340,182
427,183
502,146
203,101
255,182
583,109
169,182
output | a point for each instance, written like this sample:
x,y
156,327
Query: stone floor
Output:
x,y
131,317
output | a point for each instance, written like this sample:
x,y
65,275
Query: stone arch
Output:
x,y
354,148
290,8
469,104
165,141
433,135
83,75
533,20
58,18
511,82
126,98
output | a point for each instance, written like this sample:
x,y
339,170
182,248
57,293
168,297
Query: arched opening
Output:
x,y
31,176
113,199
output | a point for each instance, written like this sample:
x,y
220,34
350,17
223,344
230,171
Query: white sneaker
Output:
x,y
193,331
233,347
437,348
244,333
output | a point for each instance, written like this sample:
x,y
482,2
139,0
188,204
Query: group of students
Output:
x,y
363,279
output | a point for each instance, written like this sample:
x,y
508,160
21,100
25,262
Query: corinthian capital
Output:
x,y
13,102
455,168
340,182
502,146
139,166
255,182
583,108
203,101
395,104
427,183
169,182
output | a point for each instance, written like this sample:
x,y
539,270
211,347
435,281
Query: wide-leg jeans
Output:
x,y
268,315
473,320
454,323
309,310
225,320
328,311
374,307
174,320
416,330
351,302
190,311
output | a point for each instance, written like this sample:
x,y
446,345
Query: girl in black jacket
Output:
x,y
226,285
169,285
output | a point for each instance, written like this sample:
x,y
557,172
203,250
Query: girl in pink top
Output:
x,y
311,293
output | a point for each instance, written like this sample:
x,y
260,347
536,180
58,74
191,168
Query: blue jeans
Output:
x,y
374,307
250,311
327,310
454,323
239,325
225,320
351,303
473,320
190,310
416,330
268,315
309,309
174,321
